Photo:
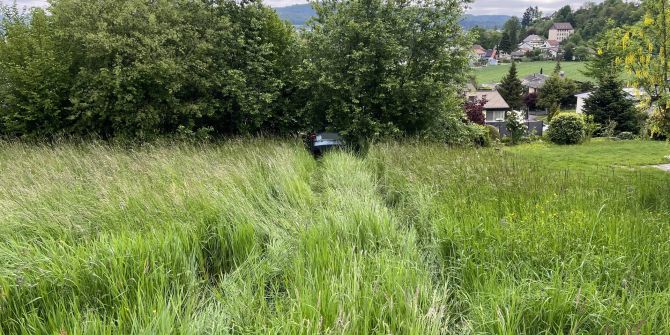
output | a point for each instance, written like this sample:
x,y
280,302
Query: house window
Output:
x,y
495,116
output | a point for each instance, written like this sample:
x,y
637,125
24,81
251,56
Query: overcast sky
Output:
x,y
507,7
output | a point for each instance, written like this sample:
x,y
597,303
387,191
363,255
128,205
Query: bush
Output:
x,y
567,128
626,135
515,126
494,133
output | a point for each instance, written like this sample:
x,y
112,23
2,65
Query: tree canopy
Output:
x,y
511,89
610,103
141,69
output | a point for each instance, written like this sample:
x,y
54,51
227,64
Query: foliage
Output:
x,y
147,69
567,128
531,15
506,43
610,103
530,100
511,89
494,133
511,35
377,69
515,126
592,19
556,93
590,127
602,64
488,39
474,111
642,49
139,69
482,136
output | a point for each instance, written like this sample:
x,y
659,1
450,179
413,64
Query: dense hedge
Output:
x,y
140,69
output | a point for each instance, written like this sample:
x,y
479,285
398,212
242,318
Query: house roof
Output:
x,y
533,38
525,46
535,80
493,99
518,53
552,43
478,47
562,26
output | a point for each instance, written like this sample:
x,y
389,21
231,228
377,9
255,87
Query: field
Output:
x,y
258,237
495,73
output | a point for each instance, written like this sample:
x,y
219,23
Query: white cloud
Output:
x,y
507,7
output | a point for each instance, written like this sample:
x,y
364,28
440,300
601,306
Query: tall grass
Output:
x,y
261,238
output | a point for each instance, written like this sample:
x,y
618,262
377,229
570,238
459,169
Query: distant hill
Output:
x,y
484,21
299,14
296,14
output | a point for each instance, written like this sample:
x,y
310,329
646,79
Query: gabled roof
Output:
x,y
535,80
562,26
533,38
493,99
478,47
526,46
552,43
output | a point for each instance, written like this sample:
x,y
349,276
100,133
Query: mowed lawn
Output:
x,y
257,237
494,73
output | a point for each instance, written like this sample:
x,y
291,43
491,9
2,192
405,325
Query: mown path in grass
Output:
x,y
260,238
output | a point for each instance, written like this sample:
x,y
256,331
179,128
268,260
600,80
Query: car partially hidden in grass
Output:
x,y
318,143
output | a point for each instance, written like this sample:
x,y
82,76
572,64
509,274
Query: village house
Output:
x,y
534,82
495,107
534,41
479,50
560,31
548,44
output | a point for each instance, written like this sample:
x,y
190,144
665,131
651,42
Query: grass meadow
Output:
x,y
494,73
258,237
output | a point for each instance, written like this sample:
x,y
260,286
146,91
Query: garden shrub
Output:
x,y
481,136
567,128
494,133
515,126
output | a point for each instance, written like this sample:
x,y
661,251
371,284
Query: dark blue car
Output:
x,y
318,143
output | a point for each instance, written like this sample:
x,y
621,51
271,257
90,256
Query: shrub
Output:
x,y
474,111
567,128
515,126
494,133
481,136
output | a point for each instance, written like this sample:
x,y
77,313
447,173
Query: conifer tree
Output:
x,y
610,103
511,89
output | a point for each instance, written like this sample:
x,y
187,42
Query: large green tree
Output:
x,y
143,68
379,68
642,49
512,33
511,89
556,93
610,103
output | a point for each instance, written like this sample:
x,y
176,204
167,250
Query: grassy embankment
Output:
x,y
260,238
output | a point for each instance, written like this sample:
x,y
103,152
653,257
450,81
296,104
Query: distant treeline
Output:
x,y
140,69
